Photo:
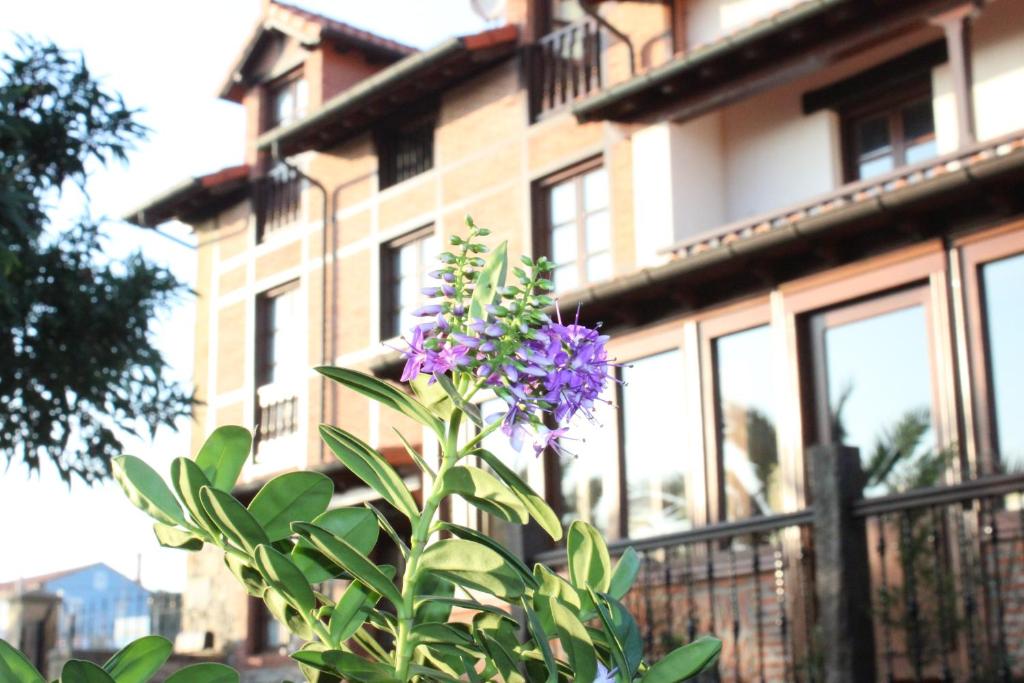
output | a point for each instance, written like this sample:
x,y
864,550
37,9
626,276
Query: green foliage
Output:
x,y
77,363
464,607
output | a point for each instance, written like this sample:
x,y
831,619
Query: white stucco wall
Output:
x,y
708,20
998,68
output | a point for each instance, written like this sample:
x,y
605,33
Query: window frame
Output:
x,y
712,327
386,139
975,252
388,280
273,88
541,201
889,103
263,346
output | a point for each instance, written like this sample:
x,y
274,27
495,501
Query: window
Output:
x,y
745,443
287,101
588,483
654,473
404,267
280,360
874,390
405,151
993,280
890,131
575,226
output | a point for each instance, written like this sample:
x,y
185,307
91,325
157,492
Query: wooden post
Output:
x,y
956,23
842,571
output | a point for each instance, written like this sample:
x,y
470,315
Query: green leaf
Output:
x,y
286,614
371,467
138,660
290,497
346,556
247,575
350,666
188,479
472,565
436,632
485,492
424,600
535,504
485,540
15,666
488,281
575,641
233,520
80,671
589,564
433,396
384,393
497,635
433,610
386,527
350,613
541,638
208,672
416,457
358,526
222,456
624,574
685,662
146,490
173,537
283,576
614,645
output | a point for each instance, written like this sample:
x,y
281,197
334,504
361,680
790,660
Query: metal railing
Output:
x,y
565,66
748,582
277,198
278,411
947,574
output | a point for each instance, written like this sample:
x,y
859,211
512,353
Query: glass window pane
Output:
x,y
922,151
655,484
408,260
599,267
873,135
589,456
565,277
563,202
879,397
599,232
917,120
1003,282
301,97
563,243
869,169
595,190
746,429
282,326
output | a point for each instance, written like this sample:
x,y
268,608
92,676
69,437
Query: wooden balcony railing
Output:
x,y
565,66
278,412
277,198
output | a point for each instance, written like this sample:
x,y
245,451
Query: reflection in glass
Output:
x,y
879,396
652,402
746,427
588,464
1002,284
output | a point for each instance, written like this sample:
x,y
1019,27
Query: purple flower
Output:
x,y
546,438
428,310
415,356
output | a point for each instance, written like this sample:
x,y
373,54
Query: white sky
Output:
x,y
170,59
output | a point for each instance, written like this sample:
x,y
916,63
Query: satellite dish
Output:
x,y
489,10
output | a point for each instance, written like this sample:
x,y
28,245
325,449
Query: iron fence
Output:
x,y
564,66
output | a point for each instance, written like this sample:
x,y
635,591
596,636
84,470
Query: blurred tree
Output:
x,y
76,359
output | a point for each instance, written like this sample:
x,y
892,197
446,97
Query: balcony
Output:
x,y
277,198
277,409
565,66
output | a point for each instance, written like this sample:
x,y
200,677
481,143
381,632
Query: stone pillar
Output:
x,y
842,570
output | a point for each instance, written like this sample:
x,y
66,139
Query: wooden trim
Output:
x,y
956,23
974,253
388,301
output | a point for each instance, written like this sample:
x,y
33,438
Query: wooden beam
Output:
x,y
956,24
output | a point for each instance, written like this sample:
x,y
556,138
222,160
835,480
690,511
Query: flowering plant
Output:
x,y
465,608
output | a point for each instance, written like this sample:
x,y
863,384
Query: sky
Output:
x,y
169,59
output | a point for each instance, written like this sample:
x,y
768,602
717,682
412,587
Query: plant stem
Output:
x,y
421,533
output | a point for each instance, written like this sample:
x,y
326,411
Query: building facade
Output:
x,y
801,221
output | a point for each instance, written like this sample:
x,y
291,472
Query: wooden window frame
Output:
x,y
541,201
975,252
288,80
718,324
388,300
263,306
922,267
387,137
890,104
